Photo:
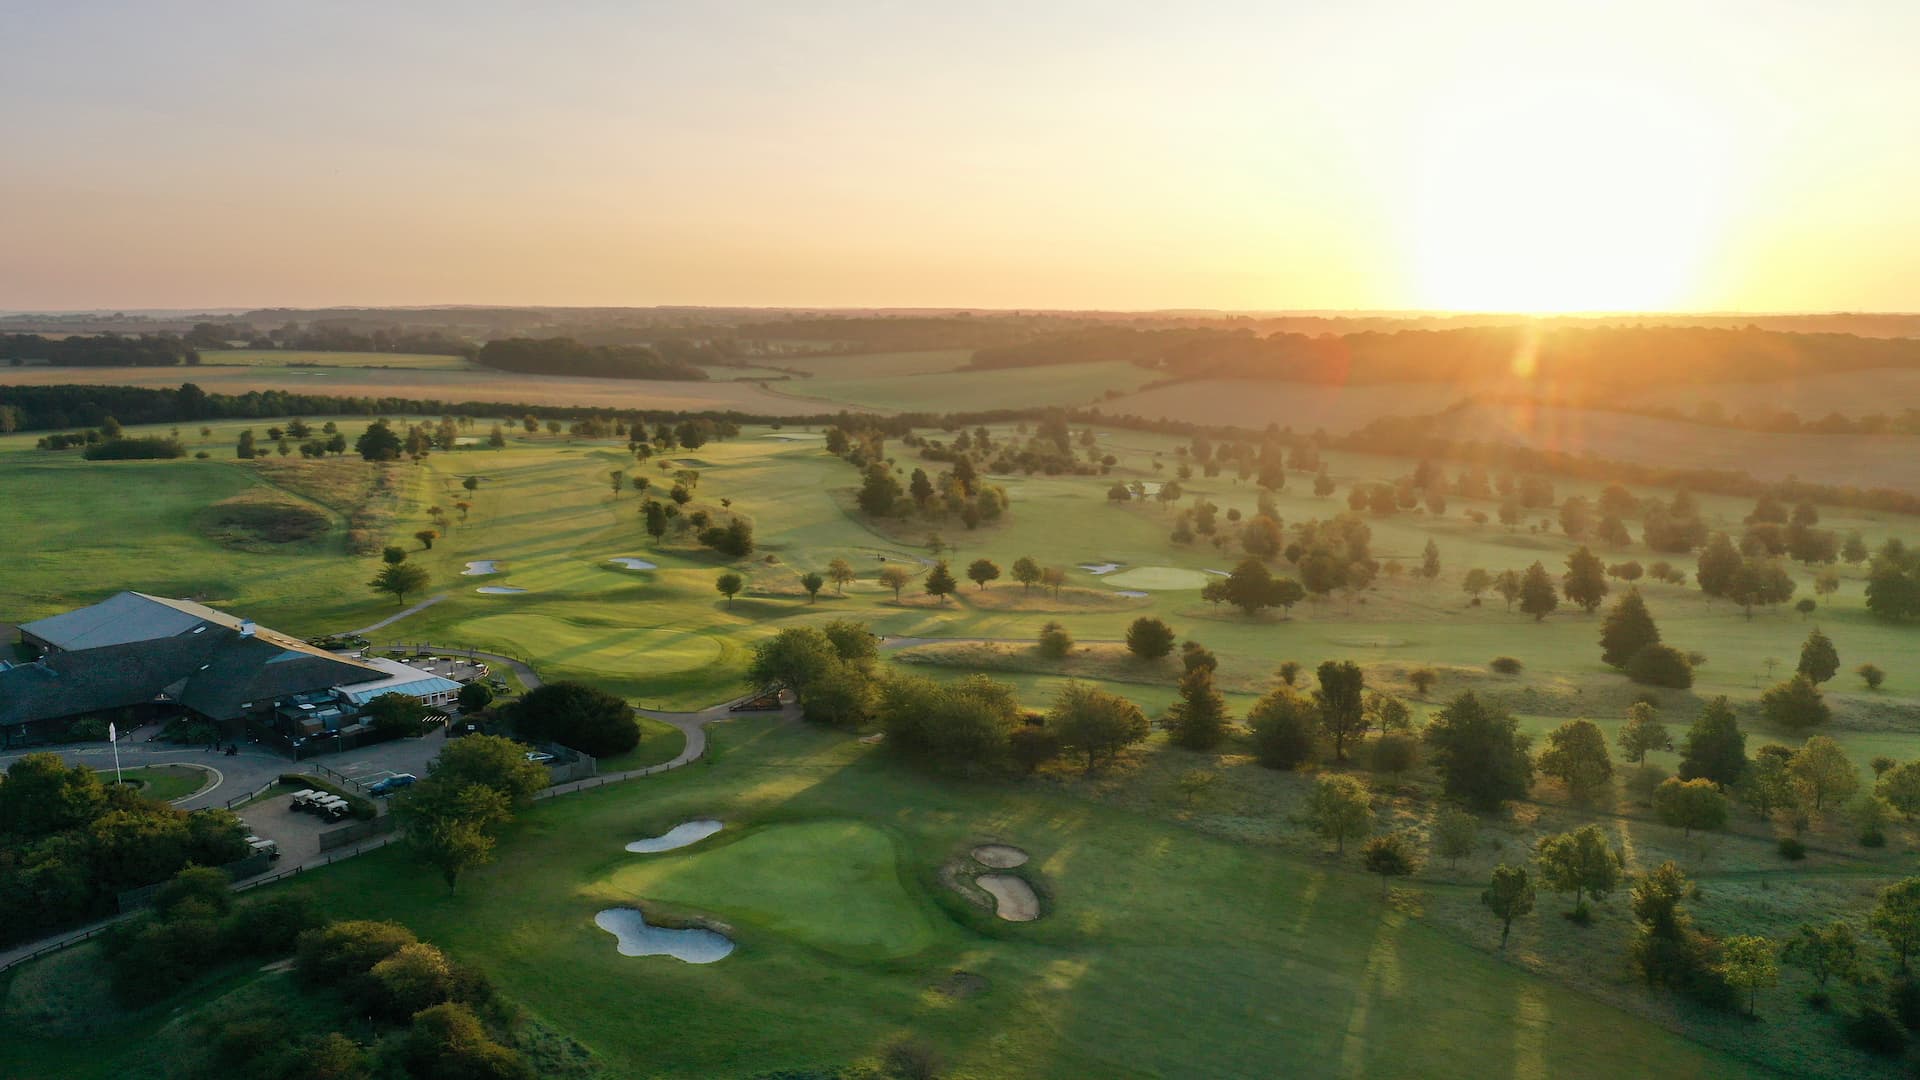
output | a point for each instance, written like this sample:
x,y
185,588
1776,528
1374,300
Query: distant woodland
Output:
x,y
109,350
565,356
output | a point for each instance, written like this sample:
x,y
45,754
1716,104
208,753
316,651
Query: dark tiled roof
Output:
x,y
214,672
125,618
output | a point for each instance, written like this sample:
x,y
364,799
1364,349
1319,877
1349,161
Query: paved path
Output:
x,y
253,767
391,619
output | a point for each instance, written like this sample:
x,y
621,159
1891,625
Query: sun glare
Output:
x,y
1552,197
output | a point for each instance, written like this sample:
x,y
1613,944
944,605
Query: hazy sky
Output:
x,y
1471,154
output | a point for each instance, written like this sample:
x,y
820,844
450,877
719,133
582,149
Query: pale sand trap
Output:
x,y
1098,568
636,938
1013,898
1131,594
687,832
499,590
1221,573
1159,577
632,563
999,856
480,568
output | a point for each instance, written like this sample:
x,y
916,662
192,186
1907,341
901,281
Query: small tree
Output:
x,y
1390,856
1643,732
1339,807
1194,783
1748,964
1822,772
1480,753
1585,581
1476,583
840,572
940,582
399,579
1149,638
426,538
1026,572
1509,896
1825,953
1055,642
1576,755
1715,748
813,583
981,571
1581,863
1896,918
1870,675
729,585
1422,680
1819,660
393,555
895,577
1342,703
1456,834
1283,723
1795,705
1508,584
1628,629
1095,723
1690,804
1900,785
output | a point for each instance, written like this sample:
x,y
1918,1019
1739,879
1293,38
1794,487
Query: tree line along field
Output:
x,y
544,508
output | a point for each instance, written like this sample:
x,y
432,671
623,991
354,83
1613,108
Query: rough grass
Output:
x,y
261,521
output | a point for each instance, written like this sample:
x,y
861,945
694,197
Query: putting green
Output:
x,y
834,885
1154,578
615,650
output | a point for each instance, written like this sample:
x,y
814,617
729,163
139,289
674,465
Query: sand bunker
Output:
x,y
480,568
499,590
1013,898
999,856
1131,594
687,832
636,938
1217,573
631,563
1098,568
1159,577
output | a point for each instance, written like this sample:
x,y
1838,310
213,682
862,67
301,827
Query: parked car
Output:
x,y
391,784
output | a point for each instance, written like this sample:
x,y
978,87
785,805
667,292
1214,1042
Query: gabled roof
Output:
x,y
124,618
210,666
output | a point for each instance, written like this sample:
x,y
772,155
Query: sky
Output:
x,y
1473,155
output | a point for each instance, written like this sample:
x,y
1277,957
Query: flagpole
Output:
x,y
113,736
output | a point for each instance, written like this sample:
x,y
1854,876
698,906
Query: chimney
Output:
x,y
246,627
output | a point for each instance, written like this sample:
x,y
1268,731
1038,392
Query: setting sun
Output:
x,y
1533,195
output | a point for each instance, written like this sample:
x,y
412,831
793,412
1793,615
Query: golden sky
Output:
x,y
1473,155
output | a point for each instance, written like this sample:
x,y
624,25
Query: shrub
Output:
x,y
1284,724
1506,665
581,717
1149,639
147,449
1033,745
1055,642
1660,665
1791,848
342,952
272,925
1876,1031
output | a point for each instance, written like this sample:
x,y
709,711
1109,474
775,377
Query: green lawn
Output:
x,y
1166,952
163,782
660,742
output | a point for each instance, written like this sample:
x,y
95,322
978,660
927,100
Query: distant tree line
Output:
x,y
328,336
565,356
102,350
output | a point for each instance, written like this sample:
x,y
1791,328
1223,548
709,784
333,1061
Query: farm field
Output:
x,y
1889,391
1304,407
1074,385
544,511
1163,952
879,365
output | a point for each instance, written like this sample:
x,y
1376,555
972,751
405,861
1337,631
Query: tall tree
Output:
x,y
1581,863
1509,896
1283,723
1576,755
1430,560
939,581
1199,719
1628,629
1585,581
1822,772
840,571
399,579
1095,723
1716,748
1508,584
1149,638
981,571
1342,703
1896,918
1643,732
729,585
1339,807
1026,572
1538,597
1480,753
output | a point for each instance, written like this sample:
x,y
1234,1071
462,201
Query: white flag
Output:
x,y
113,734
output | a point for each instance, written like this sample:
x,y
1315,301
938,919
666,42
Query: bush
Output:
x,y
91,729
342,953
1903,999
271,926
1149,639
1033,745
1506,665
147,449
581,717
1876,1031
1055,643
1285,723
1660,665
1791,848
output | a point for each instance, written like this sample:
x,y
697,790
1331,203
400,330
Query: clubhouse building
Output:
x,y
136,659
